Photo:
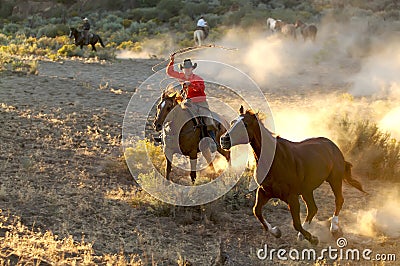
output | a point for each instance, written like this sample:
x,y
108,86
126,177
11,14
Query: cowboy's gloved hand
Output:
x,y
171,56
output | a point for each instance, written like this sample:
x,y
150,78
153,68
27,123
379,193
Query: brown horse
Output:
x,y
190,133
79,40
297,168
307,31
287,30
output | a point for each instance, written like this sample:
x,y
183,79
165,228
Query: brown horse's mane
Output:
x,y
261,117
178,97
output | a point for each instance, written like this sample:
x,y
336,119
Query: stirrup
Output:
x,y
157,139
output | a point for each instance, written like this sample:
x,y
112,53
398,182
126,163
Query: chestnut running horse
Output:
x,y
297,168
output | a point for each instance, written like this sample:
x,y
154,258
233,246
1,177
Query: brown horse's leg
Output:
x,y
312,209
193,165
93,48
207,155
294,206
168,168
261,199
336,185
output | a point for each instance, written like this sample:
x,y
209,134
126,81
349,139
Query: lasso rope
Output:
x,y
192,48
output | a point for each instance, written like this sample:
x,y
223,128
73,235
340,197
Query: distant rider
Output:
x,y
202,25
195,95
86,28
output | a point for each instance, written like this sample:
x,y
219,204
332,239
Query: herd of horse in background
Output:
x,y
308,31
287,30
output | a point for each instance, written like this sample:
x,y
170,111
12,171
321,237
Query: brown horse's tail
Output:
x,y
349,179
101,42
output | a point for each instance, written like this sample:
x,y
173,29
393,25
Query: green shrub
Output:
x,y
182,23
4,40
143,14
254,18
6,8
53,30
170,8
233,18
373,153
213,20
287,15
10,28
134,28
113,18
112,26
194,10
119,37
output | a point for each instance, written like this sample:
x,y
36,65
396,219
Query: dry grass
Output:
x,y
67,196
24,246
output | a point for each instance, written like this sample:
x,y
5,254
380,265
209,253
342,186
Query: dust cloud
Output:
x,y
350,70
381,218
157,47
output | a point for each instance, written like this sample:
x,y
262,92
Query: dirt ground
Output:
x,y
60,157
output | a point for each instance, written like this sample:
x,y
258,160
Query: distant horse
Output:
x,y
271,24
199,36
287,30
79,40
297,168
308,31
189,134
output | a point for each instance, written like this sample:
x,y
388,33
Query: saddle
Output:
x,y
199,123
90,36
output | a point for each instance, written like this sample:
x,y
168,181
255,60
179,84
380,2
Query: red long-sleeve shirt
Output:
x,y
196,88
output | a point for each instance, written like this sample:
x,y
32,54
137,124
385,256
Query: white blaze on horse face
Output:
x,y
238,132
162,104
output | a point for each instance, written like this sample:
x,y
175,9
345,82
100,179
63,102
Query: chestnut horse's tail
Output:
x,y
349,179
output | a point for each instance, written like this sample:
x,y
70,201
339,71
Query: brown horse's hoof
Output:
x,y
314,240
276,232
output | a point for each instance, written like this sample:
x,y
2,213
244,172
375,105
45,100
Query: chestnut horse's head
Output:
x,y
166,104
243,129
